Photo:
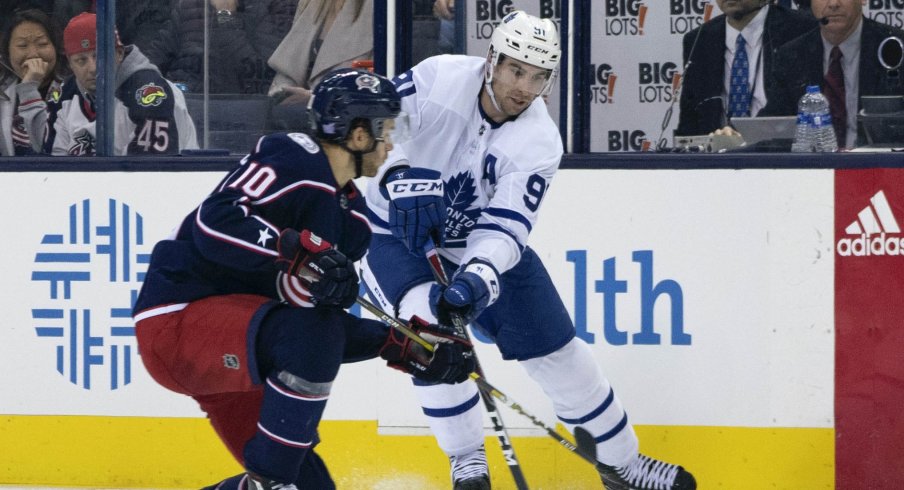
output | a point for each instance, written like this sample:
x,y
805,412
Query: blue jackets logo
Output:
x,y
90,264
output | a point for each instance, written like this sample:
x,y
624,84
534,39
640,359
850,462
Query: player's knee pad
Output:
x,y
455,415
287,426
303,341
417,302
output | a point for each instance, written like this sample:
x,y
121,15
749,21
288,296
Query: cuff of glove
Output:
x,y
488,274
400,165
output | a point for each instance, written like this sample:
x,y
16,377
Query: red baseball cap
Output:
x,y
80,34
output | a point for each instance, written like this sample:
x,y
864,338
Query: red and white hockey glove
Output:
x,y
451,361
326,272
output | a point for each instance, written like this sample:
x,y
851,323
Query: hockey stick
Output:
x,y
587,450
482,383
511,459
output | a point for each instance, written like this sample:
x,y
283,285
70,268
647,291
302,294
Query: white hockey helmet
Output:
x,y
527,39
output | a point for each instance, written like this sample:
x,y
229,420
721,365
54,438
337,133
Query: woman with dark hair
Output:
x,y
32,53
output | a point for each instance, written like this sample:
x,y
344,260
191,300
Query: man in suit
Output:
x,y
707,93
842,58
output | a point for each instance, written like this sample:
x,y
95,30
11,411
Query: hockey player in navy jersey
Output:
x,y
481,131
242,307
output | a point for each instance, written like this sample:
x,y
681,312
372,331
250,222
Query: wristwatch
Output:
x,y
224,17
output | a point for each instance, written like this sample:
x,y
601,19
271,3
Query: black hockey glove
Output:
x,y
326,272
452,360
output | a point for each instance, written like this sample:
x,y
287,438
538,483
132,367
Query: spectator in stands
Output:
x,y
745,37
804,7
325,34
432,29
444,10
150,114
136,20
32,54
243,34
7,7
841,57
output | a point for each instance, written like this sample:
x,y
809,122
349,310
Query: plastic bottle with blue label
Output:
x,y
803,136
821,122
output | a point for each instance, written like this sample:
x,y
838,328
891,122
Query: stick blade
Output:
x,y
585,443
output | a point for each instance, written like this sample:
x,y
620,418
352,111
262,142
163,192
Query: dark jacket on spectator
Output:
x,y
137,21
704,82
238,49
800,63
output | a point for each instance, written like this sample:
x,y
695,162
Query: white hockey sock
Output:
x,y
454,413
581,395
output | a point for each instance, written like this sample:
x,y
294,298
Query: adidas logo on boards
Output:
x,y
876,229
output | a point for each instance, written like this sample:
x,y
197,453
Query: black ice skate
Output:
x,y
257,482
470,471
646,473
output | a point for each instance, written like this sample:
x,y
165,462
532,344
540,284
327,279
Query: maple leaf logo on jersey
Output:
x,y
460,195
150,95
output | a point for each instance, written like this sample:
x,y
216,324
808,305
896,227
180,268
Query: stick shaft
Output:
x,y
505,442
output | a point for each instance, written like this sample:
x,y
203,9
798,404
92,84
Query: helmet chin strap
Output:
x,y
358,155
489,67
489,87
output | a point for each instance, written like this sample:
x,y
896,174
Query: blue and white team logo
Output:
x,y
92,261
461,192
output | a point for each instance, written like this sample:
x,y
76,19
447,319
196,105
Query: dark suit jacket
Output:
x,y
799,63
705,77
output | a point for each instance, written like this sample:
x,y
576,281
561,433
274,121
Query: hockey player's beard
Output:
x,y
508,106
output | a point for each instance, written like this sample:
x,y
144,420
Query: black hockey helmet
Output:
x,y
347,94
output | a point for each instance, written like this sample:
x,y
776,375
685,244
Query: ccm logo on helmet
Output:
x,y
538,49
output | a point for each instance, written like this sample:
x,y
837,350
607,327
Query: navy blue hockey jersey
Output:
x,y
227,245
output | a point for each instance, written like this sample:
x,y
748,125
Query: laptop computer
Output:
x,y
757,129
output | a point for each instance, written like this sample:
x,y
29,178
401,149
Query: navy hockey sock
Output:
x,y
287,429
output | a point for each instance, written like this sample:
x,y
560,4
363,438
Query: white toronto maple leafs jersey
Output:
x,y
495,175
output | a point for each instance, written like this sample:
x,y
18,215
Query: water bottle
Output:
x,y
821,122
803,136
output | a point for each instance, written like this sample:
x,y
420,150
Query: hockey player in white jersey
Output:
x,y
482,153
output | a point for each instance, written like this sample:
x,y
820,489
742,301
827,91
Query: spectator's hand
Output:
x,y
230,5
726,131
296,95
444,9
34,70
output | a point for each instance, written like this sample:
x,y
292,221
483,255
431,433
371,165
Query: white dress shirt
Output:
x,y
753,37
